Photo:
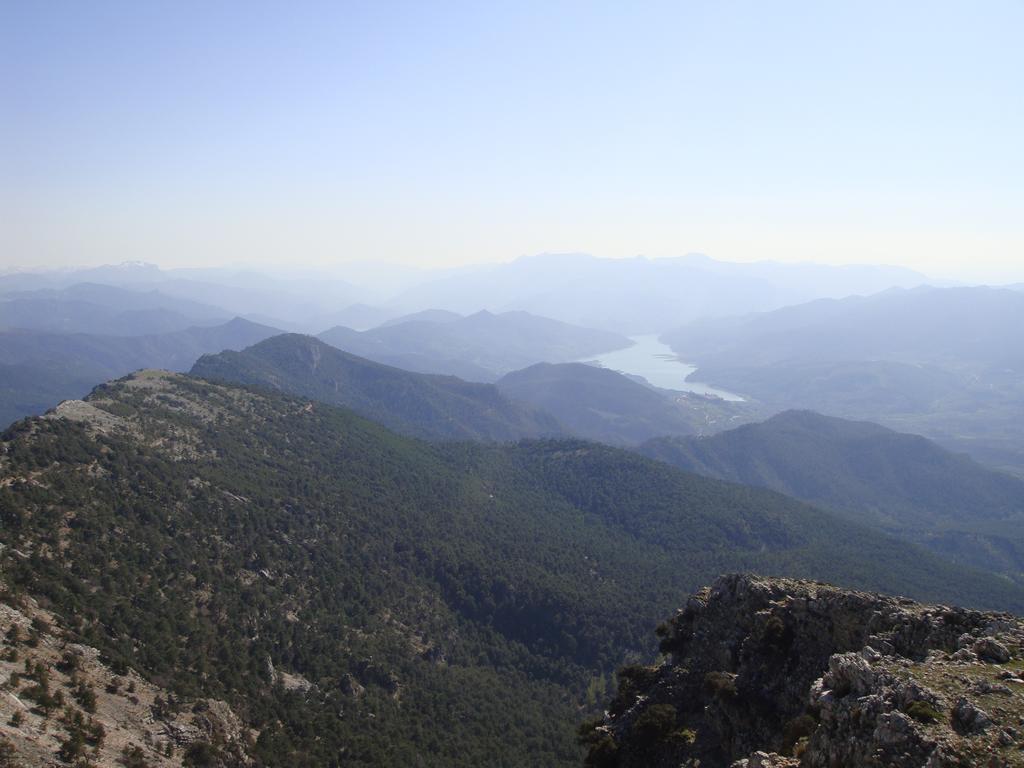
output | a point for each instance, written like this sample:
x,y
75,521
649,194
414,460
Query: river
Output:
x,y
656,362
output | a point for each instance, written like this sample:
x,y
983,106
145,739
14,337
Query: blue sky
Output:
x,y
448,133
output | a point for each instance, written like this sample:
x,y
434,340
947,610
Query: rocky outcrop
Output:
x,y
777,672
62,704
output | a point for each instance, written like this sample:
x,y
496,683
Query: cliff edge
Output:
x,y
764,672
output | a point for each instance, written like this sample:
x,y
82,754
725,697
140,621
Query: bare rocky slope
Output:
x,y
774,672
62,703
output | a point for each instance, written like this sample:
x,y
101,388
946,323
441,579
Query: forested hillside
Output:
x,y
601,404
361,598
904,484
415,404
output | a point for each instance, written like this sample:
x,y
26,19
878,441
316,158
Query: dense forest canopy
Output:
x,y
447,603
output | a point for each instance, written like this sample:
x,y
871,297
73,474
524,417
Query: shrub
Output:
x,y
133,757
796,729
602,754
72,748
85,696
587,732
46,700
923,712
201,754
95,733
684,736
68,663
776,634
656,722
720,684
634,678
7,753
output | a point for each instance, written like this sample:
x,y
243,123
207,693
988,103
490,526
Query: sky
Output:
x,y
445,133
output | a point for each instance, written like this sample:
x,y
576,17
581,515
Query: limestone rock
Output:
x,y
766,673
991,650
968,718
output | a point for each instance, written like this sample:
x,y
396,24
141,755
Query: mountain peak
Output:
x,y
423,405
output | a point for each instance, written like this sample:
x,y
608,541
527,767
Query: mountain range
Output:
x,y
347,591
103,310
903,484
629,296
932,326
480,347
422,405
944,363
41,368
641,295
604,405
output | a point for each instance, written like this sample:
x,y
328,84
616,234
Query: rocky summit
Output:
x,y
763,672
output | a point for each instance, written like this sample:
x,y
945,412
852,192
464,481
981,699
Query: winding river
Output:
x,y
656,362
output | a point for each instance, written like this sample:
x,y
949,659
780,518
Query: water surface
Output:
x,y
656,362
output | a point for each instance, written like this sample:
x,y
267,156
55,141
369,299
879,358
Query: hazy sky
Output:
x,y
444,133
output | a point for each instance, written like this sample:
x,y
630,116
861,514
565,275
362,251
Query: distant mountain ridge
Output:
x,y
936,326
604,405
641,295
417,404
42,368
426,315
481,347
900,483
631,295
237,291
946,363
103,310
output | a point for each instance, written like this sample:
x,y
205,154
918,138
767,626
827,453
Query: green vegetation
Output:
x,y
903,484
417,404
798,730
364,598
924,712
133,757
656,722
601,404
720,684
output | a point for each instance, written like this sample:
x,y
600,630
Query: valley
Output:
x,y
429,594
446,539
511,385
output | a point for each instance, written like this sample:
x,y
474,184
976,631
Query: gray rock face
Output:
x,y
968,718
991,650
777,672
